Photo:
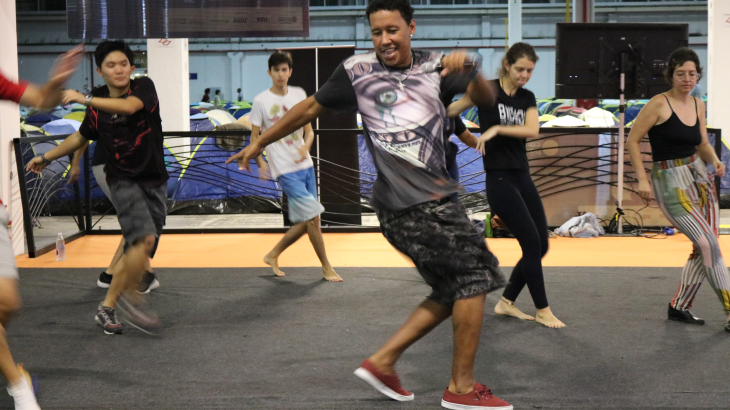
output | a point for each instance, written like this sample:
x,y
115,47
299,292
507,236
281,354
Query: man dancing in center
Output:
x,y
398,97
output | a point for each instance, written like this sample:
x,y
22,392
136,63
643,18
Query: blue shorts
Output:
x,y
300,188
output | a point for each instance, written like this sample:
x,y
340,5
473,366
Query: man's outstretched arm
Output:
x,y
72,143
300,115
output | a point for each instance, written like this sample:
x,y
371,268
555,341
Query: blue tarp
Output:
x,y
207,177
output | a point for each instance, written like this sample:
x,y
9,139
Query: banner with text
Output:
x,y
99,19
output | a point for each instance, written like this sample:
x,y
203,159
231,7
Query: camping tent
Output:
x,y
222,117
61,127
40,118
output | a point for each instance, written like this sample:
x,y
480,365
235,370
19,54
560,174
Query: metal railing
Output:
x,y
585,160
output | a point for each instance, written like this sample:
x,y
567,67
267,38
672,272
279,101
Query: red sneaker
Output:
x,y
389,385
480,398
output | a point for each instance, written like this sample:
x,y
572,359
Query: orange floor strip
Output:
x,y
364,250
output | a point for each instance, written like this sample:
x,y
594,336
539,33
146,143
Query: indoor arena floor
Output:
x,y
236,337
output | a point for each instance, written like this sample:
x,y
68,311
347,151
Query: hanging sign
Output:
x,y
187,18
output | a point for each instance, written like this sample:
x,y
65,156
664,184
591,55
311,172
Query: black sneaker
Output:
x,y
139,315
148,283
684,316
104,280
107,318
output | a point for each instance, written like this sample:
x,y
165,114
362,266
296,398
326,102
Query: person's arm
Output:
x,y
705,150
300,115
125,106
255,132
264,172
531,129
69,145
463,133
479,90
50,94
457,107
75,171
469,139
308,140
647,118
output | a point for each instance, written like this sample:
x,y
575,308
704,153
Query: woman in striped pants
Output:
x,y
680,181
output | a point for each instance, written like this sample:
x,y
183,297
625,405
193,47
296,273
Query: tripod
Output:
x,y
621,132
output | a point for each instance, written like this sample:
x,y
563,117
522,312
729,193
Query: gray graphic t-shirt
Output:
x,y
404,127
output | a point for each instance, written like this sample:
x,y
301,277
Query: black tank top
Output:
x,y
672,139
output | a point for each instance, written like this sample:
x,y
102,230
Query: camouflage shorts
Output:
x,y
449,252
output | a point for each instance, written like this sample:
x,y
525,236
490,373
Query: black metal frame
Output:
x,y
27,220
84,208
718,150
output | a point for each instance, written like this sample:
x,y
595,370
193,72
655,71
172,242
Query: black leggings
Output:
x,y
513,197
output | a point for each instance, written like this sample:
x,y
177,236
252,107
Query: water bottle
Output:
x,y
488,225
60,248
670,231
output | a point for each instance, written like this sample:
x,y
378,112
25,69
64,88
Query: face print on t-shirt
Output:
x,y
404,121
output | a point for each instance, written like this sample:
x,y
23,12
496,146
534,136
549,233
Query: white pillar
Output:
x,y
514,16
10,126
486,33
236,74
167,66
718,59
583,11
361,40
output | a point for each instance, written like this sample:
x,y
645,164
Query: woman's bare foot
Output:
x,y
508,309
331,275
274,263
546,317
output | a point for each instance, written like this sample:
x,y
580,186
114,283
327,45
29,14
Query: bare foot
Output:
x,y
274,263
505,309
331,275
546,317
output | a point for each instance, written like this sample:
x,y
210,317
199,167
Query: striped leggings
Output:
x,y
686,195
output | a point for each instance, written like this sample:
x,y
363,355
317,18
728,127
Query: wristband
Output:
x,y
45,160
88,99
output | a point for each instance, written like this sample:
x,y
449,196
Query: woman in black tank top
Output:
x,y
680,182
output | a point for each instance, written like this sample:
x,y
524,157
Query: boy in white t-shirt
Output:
x,y
290,163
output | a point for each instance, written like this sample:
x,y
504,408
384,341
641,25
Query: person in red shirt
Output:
x,y
46,96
